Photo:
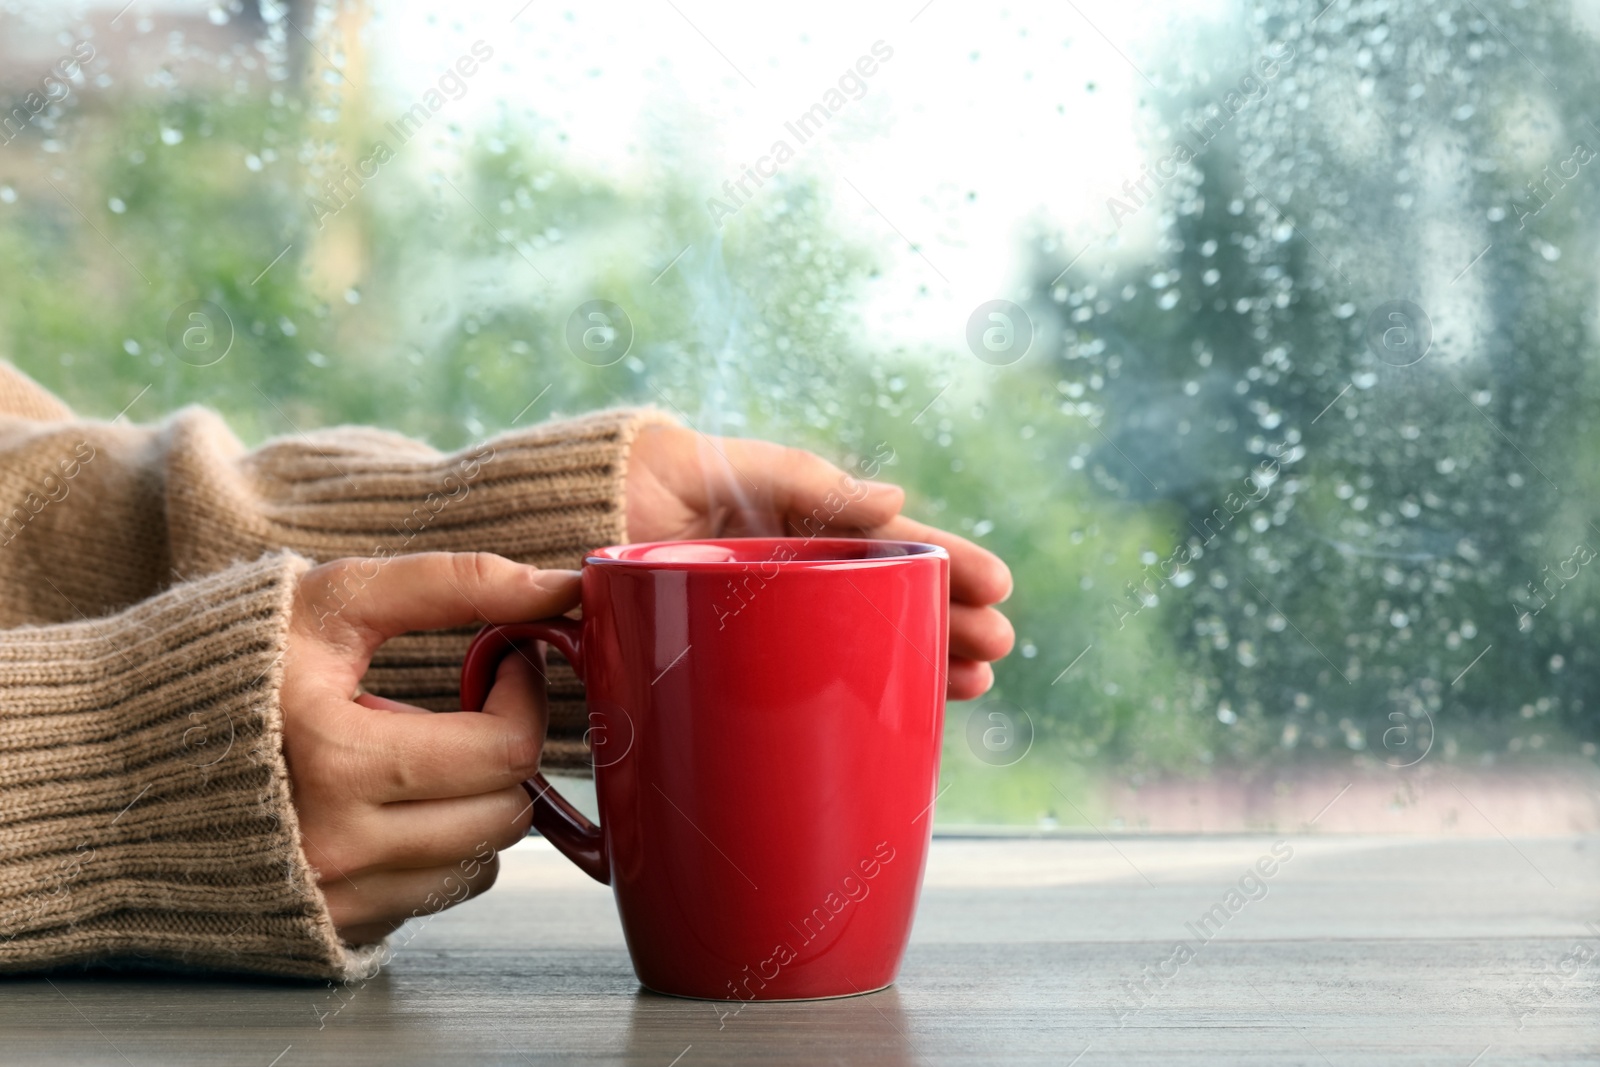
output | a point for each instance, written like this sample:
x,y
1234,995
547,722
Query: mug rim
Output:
x,y
914,551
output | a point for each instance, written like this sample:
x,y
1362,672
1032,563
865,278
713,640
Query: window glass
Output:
x,y
1258,339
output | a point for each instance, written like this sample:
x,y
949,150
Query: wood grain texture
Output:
x,y
1355,951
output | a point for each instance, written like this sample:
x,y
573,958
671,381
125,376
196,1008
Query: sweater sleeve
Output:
x,y
147,810
546,496
154,505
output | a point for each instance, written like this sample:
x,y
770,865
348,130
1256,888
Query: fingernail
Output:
x,y
881,487
554,578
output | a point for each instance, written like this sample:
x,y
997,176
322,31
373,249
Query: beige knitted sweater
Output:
x,y
145,583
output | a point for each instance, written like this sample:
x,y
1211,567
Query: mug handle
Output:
x,y
573,835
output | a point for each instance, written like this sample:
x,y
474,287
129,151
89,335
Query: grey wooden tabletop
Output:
x,y
1356,950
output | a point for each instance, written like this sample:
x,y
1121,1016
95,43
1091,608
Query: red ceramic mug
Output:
x,y
766,728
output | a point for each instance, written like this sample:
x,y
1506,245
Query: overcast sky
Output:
x,y
983,101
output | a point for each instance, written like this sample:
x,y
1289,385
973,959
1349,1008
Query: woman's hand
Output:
x,y
402,811
683,484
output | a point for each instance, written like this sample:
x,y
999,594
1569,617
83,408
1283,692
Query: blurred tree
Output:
x,y
1173,611
1410,496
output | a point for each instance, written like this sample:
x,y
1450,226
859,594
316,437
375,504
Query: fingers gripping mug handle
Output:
x,y
553,815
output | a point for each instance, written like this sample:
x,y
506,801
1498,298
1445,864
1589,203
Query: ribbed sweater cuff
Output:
x,y
148,810
547,495
544,495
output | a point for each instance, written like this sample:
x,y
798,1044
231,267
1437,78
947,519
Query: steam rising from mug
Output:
x,y
720,314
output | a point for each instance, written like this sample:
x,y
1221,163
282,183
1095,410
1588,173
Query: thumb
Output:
x,y
381,598
843,505
813,495
881,502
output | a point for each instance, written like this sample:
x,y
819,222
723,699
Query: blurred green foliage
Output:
x,y
435,302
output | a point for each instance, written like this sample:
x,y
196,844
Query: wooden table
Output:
x,y
1357,950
